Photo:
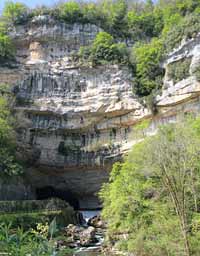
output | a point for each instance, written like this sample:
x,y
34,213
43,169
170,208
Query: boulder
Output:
x,y
80,235
87,236
96,222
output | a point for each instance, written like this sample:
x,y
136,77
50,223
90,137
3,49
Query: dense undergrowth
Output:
x,y
39,240
9,165
153,196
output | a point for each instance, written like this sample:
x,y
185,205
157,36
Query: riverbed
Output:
x,y
93,249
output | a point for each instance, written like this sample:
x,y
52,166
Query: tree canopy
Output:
x,y
142,32
8,163
153,196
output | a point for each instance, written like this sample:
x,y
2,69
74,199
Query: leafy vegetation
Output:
x,y
70,12
153,197
42,240
179,70
15,13
152,28
7,50
104,49
148,71
8,162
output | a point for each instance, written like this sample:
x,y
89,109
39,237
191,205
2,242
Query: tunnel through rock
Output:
x,y
49,192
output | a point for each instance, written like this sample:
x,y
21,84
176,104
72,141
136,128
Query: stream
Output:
x,y
95,248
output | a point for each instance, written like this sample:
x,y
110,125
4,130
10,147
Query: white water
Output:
x,y
89,214
92,250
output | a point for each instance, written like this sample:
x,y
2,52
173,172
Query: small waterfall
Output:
x,y
90,214
95,248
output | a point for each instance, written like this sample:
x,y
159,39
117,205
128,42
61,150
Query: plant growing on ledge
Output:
x,y
148,70
105,50
7,51
70,12
8,163
15,13
66,149
179,70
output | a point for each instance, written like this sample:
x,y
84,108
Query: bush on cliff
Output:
x,y
8,163
153,197
148,71
104,49
7,51
15,12
179,70
70,12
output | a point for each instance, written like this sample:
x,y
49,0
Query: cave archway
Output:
x,y
49,192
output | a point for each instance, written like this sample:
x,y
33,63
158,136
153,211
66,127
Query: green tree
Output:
x,y
15,12
70,12
7,50
148,71
91,14
153,197
8,163
105,49
114,17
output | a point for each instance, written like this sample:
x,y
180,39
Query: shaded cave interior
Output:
x,y
50,192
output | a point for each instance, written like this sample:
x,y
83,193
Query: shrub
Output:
x,y
197,73
8,163
7,51
91,13
114,17
104,49
15,13
148,70
27,213
67,149
179,70
70,12
147,24
148,199
39,241
186,28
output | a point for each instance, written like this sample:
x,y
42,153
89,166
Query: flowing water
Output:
x,y
94,249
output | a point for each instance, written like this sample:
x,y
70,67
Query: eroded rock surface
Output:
x,y
74,120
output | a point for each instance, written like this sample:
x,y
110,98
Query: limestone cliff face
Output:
x,y
76,120
182,96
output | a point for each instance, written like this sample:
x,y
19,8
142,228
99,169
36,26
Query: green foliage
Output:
x,y
70,12
184,28
91,13
140,129
104,50
148,71
67,149
156,27
147,24
17,242
8,163
114,17
196,72
15,12
6,48
179,70
153,197
29,212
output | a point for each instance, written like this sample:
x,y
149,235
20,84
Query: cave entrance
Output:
x,y
49,192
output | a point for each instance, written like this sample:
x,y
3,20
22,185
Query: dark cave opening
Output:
x,y
49,192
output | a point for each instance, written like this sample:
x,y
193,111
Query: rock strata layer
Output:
x,y
74,120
